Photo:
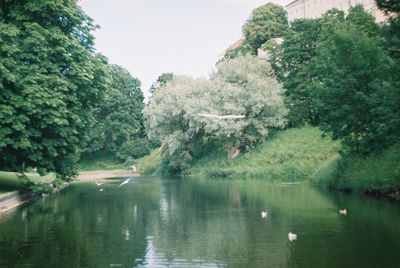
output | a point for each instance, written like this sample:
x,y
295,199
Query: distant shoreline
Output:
x,y
104,174
10,201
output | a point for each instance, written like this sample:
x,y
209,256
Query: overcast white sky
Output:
x,y
149,37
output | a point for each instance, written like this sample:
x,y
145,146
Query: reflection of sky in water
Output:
x,y
155,258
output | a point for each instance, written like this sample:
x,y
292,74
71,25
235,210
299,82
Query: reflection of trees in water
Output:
x,y
188,222
81,228
216,221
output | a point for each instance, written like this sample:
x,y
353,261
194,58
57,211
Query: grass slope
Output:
x,y
99,161
378,173
291,155
150,164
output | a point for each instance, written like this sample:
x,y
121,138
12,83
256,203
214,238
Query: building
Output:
x,y
309,9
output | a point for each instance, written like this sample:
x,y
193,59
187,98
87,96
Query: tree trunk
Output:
x,y
233,152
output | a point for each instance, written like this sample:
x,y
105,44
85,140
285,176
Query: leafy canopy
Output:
x,y
50,80
119,116
265,22
356,85
161,81
242,86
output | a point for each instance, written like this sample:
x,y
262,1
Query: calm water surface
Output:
x,y
154,222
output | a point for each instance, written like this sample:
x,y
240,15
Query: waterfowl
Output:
x,y
343,211
264,214
125,182
292,236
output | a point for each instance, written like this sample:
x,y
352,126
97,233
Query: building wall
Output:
x,y
315,8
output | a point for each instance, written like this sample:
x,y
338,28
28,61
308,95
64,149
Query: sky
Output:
x,y
151,37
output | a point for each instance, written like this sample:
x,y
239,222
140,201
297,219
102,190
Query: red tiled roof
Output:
x,y
235,44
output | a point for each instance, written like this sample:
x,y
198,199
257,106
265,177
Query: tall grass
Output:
x,y
291,155
150,164
379,173
99,161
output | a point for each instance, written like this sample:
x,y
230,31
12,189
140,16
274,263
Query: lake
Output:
x,y
154,222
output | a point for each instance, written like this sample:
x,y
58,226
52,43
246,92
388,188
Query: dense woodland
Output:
x,y
59,99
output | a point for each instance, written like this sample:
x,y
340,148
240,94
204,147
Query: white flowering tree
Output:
x,y
237,106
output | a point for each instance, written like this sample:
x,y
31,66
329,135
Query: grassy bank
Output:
x,y
9,181
378,174
99,161
150,164
291,155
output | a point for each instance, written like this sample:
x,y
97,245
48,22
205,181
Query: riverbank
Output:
x,y
297,155
291,155
14,194
377,175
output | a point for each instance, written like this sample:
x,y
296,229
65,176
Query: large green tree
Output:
x,y
355,85
187,113
298,51
50,79
265,22
118,117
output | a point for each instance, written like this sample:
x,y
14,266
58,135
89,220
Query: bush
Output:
x,y
133,149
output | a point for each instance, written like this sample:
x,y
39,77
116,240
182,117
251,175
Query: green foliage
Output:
x,y
50,80
10,181
161,81
338,74
150,164
389,5
355,75
241,50
297,51
100,160
119,116
242,86
291,155
266,22
377,173
133,149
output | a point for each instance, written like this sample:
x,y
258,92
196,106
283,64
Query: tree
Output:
x,y
355,80
187,112
389,5
241,50
161,81
50,80
118,117
265,22
296,53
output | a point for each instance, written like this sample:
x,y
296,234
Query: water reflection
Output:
x,y
201,223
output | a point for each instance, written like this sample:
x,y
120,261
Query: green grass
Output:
x,y
378,173
291,155
149,164
9,181
99,161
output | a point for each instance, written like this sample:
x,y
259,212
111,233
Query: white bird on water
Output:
x,y
343,211
98,183
101,190
292,236
264,214
125,182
